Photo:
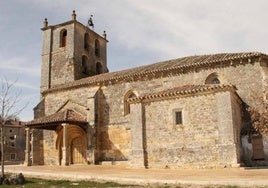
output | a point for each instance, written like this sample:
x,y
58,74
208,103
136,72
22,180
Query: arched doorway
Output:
x,y
78,150
76,144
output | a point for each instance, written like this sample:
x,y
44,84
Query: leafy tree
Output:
x,y
9,100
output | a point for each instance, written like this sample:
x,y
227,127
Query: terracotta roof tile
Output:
x,y
59,117
182,91
180,64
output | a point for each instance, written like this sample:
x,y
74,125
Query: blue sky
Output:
x,y
139,32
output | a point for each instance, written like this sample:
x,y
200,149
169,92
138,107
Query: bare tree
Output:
x,y
9,100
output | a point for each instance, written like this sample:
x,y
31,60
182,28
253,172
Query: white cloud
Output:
x,y
167,27
19,65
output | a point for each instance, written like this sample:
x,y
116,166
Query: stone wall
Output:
x,y
58,99
198,142
114,143
226,125
57,61
51,154
115,131
37,142
114,94
237,121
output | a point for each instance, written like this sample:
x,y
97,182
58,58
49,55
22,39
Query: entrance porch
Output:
x,y
70,140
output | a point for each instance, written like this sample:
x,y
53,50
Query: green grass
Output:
x,y
41,183
225,186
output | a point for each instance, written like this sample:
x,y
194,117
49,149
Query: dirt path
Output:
x,y
234,176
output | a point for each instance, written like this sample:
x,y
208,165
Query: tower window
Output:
x,y
63,38
85,65
98,68
86,42
97,48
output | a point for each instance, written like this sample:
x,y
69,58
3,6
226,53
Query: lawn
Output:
x,y
41,183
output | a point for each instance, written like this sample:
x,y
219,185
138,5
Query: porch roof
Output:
x,y
53,120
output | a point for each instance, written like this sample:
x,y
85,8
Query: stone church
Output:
x,y
185,112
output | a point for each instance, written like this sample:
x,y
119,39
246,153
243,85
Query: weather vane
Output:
x,y
90,22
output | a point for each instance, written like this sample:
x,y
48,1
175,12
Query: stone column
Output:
x,y
137,136
92,118
27,150
227,146
64,143
32,146
91,144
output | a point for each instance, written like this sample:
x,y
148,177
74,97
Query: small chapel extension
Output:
x,y
185,112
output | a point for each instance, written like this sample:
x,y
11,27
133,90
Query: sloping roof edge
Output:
x,y
58,117
182,91
180,65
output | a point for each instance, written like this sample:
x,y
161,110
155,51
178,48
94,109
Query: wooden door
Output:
x,y
257,146
78,150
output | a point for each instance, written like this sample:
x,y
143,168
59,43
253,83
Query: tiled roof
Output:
x,y
14,123
182,91
180,65
66,116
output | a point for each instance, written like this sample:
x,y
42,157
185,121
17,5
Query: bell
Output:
x,y
90,22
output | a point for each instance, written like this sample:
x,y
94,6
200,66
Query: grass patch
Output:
x,y
42,183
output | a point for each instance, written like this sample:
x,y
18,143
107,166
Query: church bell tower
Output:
x,y
71,51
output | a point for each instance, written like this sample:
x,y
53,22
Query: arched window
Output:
x,y
86,42
63,38
85,64
128,95
98,68
97,48
213,79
